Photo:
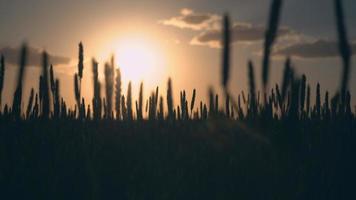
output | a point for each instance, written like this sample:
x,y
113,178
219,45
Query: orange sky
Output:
x,y
175,40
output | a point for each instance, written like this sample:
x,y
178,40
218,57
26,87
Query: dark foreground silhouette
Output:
x,y
215,159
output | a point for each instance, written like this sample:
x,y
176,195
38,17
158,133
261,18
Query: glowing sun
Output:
x,y
138,59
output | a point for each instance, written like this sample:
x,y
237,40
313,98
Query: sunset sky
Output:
x,y
156,39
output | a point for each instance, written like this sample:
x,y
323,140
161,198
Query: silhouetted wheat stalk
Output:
x,y
270,36
2,78
318,102
227,107
192,101
16,105
302,93
170,104
344,49
139,104
81,61
118,94
78,81
286,79
161,109
109,88
56,100
252,87
97,105
77,92
45,87
308,101
326,107
129,103
30,103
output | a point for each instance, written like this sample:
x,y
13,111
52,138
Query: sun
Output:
x,y
139,59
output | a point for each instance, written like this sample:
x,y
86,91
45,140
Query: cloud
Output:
x,y
191,20
308,50
209,26
240,32
34,56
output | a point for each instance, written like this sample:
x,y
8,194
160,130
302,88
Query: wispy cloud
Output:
x,y
34,56
316,49
188,19
241,32
289,43
209,25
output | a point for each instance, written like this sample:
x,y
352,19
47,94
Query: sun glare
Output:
x,y
138,59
